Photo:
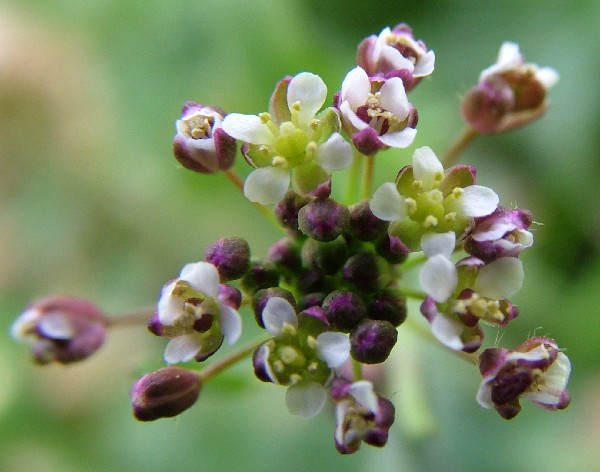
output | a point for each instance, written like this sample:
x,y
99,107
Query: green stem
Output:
x,y
459,146
368,177
131,319
416,294
354,176
222,364
413,260
357,370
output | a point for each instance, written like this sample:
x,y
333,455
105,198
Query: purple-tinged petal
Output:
x,y
182,349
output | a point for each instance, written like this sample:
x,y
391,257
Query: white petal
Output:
x,y
547,76
182,349
56,326
493,232
387,204
447,331
356,87
169,308
438,243
333,348
231,323
392,56
24,323
202,277
393,97
276,314
484,395
438,277
399,139
310,90
247,128
478,200
350,116
362,392
555,382
335,153
424,65
305,399
508,57
426,166
500,279
266,185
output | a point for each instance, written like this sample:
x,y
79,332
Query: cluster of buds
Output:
x,y
328,294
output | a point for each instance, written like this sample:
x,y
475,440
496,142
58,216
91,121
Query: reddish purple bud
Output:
x,y
388,305
286,210
261,297
260,275
344,309
323,219
285,255
372,341
61,329
366,271
231,257
326,258
164,393
363,224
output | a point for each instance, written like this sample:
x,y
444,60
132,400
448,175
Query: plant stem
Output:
x,y
222,364
131,319
459,146
368,177
356,370
353,178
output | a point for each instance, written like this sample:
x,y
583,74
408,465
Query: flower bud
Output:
x,y
392,249
388,305
363,224
201,144
164,393
366,271
285,255
61,329
325,257
286,210
344,309
323,219
260,275
231,257
372,341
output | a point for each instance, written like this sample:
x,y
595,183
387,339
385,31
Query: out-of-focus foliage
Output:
x,y
92,204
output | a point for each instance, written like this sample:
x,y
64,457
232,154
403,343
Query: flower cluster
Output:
x,y
329,295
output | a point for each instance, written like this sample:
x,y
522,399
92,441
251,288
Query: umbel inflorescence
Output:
x,y
330,294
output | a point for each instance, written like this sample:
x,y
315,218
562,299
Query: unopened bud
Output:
x,y
231,257
164,393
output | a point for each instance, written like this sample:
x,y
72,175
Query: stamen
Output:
x,y
430,222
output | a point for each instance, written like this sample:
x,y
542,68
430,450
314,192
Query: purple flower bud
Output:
x,y
260,362
164,393
201,144
231,257
536,370
392,249
260,275
323,219
230,296
61,329
286,210
363,224
344,309
285,254
325,257
504,233
372,341
311,299
261,297
366,271
388,305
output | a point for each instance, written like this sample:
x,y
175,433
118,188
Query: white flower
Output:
x,y
193,316
294,141
420,62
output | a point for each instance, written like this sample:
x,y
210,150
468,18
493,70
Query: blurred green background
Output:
x,y
92,204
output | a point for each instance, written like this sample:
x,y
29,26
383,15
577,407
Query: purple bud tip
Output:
x,y
164,393
231,257
372,341
344,309
323,219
